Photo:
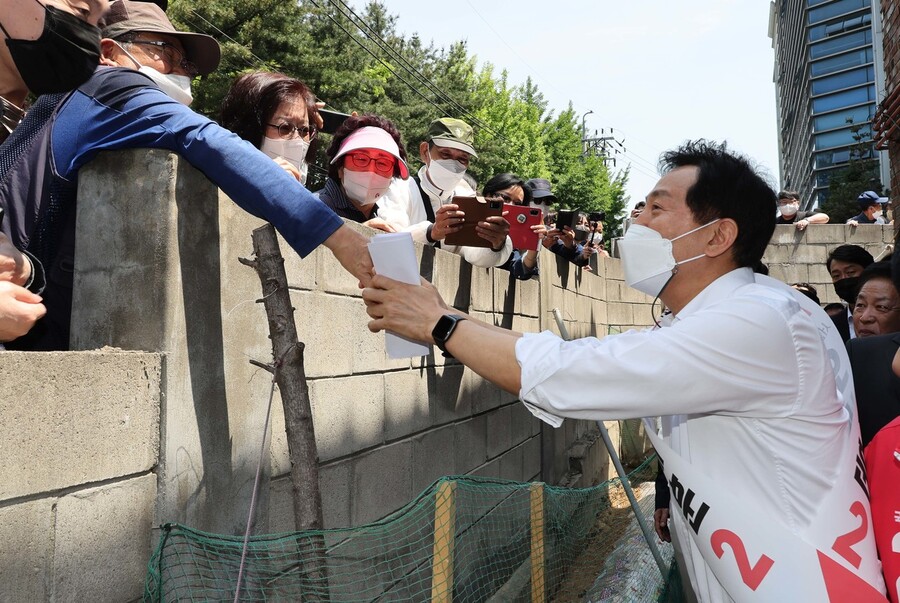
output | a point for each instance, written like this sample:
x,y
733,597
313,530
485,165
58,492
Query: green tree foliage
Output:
x,y
860,175
360,63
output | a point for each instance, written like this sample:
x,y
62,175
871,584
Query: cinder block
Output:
x,y
26,530
828,234
452,277
865,234
72,418
526,324
406,404
614,269
512,464
819,276
382,482
433,456
785,234
620,314
499,431
505,292
102,528
489,469
482,290
348,416
520,419
808,254
531,464
315,316
481,395
450,400
470,443
529,297
334,487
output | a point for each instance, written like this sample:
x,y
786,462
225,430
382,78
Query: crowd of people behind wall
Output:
x,y
139,97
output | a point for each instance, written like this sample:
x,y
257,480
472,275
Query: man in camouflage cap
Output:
x,y
423,204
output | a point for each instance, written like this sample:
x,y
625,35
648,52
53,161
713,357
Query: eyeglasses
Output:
x,y
362,161
860,307
286,130
169,54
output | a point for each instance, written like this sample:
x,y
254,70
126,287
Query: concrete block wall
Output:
x,y
103,443
799,256
80,440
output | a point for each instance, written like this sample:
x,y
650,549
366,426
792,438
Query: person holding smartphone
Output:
x,y
523,263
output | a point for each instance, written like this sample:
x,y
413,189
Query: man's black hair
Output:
x,y
852,254
728,187
503,181
875,270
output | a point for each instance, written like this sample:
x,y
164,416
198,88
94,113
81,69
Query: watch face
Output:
x,y
443,328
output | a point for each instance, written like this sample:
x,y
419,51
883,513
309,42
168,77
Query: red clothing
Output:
x,y
883,469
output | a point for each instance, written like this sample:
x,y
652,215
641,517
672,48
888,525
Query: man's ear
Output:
x,y
423,152
725,232
109,52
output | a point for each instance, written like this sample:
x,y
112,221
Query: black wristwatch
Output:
x,y
443,330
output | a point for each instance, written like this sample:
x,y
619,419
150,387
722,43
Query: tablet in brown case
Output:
x,y
476,209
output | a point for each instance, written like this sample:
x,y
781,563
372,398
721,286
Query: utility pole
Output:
x,y
584,134
604,146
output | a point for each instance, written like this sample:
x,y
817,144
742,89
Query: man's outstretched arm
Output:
x,y
414,310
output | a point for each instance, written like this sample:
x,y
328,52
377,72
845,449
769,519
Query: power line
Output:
x,y
410,69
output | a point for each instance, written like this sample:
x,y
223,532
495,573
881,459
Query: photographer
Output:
x,y
593,245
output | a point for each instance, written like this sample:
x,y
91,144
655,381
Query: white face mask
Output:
x,y
445,173
647,258
877,214
789,210
177,87
364,188
292,150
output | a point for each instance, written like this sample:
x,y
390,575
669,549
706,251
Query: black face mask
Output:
x,y
846,289
63,58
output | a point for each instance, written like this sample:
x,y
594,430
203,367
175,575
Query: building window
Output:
x,y
834,9
840,44
841,138
826,30
846,98
839,119
840,62
845,79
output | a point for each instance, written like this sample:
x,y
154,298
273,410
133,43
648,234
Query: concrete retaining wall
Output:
x,y
101,445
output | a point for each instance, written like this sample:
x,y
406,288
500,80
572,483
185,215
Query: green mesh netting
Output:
x,y
463,539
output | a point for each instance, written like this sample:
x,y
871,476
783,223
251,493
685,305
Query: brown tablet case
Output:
x,y
476,209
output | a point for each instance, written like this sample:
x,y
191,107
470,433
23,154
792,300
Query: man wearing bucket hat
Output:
x,y
138,99
870,209
365,155
424,207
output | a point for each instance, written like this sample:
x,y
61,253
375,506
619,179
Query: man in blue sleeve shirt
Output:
x,y
138,98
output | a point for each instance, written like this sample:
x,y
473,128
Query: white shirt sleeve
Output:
x,y
734,359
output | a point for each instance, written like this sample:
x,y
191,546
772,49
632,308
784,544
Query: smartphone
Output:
x,y
566,217
521,218
476,209
332,120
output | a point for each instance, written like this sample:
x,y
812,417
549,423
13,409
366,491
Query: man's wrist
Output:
x,y
428,234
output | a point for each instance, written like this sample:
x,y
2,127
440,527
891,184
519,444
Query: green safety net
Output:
x,y
464,539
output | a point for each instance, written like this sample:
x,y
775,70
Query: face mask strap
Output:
x,y
134,60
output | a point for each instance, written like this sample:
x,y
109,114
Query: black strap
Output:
x,y
426,201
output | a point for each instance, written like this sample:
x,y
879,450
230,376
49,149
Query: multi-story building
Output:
x,y
887,119
829,77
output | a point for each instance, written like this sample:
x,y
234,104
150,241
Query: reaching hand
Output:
x,y
567,236
288,167
661,524
379,224
408,310
447,220
13,265
551,237
352,251
19,309
493,229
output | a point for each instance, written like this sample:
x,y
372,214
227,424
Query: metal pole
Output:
x,y
645,529
584,134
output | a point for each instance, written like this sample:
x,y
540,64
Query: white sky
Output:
x,y
657,72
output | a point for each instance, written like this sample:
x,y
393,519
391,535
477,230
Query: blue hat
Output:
x,y
868,198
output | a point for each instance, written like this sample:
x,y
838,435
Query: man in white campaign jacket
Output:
x,y
760,439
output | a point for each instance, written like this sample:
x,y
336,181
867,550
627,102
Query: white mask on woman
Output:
x,y
292,150
364,188
647,258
